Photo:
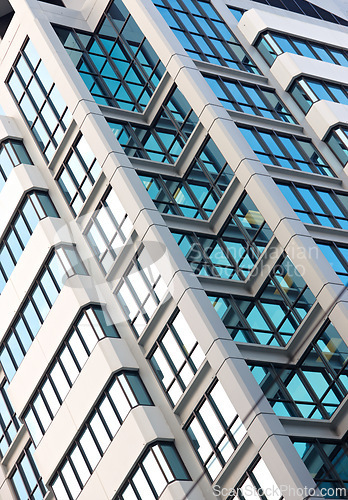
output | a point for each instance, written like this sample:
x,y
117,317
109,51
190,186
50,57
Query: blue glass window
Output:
x,y
78,174
124,392
305,8
60,265
273,315
12,153
307,91
165,139
26,478
327,462
117,63
248,98
315,386
9,424
204,34
298,153
36,206
317,206
39,100
337,140
233,252
272,44
337,255
198,192
237,12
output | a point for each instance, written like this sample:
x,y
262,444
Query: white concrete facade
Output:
x,y
266,436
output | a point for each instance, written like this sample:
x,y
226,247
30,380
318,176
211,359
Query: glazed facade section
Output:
x,y
173,250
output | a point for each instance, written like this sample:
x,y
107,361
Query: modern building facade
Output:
x,y
173,249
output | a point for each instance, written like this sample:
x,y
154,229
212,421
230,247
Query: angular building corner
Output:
x,y
173,254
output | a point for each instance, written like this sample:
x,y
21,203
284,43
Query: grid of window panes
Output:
x,y
26,478
271,45
314,205
307,91
273,314
233,252
140,290
287,151
305,8
249,98
62,263
176,357
91,325
108,229
124,392
204,34
327,462
337,255
117,63
39,100
36,206
258,482
9,424
164,140
315,386
214,429
337,140
12,153
78,174
197,193
159,466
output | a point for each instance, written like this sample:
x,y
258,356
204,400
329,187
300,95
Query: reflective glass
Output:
x,y
337,140
116,62
327,463
164,140
204,34
140,301
66,366
286,151
20,228
176,357
9,425
95,436
108,229
33,312
26,479
30,93
272,44
242,97
233,252
78,174
213,436
315,386
317,206
159,466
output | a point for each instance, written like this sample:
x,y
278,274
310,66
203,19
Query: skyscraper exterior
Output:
x,y
173,249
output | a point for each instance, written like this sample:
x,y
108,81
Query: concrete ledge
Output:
x,y
108,356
